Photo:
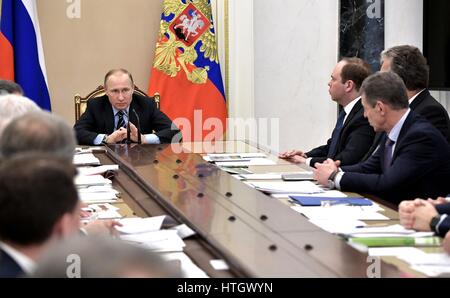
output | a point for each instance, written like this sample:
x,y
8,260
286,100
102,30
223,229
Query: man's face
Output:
x,y
386,65
119,90
336,86
373,114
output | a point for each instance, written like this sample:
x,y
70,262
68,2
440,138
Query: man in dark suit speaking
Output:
x,y
413,159
106,118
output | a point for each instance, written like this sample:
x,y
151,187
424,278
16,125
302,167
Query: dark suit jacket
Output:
x,y
445,225
429,108
356,138
9,267
99,119
420,166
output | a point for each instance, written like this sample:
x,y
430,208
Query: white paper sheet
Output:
x,y
189,269
140,225
86,171
339,213
305,187
85,159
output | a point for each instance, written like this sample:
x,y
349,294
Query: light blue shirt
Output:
x,y
148,138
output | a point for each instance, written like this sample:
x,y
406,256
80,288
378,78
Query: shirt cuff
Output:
x,y
152,139
308,162
98,140
441,220
337,180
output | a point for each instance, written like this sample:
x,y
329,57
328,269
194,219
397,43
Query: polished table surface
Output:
x,y
257,235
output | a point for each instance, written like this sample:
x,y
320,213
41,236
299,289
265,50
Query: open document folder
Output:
x,y
301,187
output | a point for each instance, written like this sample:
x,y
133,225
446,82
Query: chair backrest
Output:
x,y
81,102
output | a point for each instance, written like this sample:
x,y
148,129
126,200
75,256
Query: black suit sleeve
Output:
x,y
412,164
353,144
85,128
443,208
437,116
356,144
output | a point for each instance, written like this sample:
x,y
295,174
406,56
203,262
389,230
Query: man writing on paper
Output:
x,y
106,118
352,135
413,159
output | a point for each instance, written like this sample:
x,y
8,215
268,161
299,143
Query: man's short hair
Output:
x,y
356,70
38,132
103,257
409,63
116,71
10,87
35,191
387,87
12,106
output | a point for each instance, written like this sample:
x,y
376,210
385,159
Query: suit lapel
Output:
x,y
406,125
353,112
419,99
108,116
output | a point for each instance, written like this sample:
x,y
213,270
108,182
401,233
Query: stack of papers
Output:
x,y
319,201
387,231
188,268
140,225
85,159
92,180
224,157
269,176
95,189
430,264
147,233
86,171
303,187
339,212
239,159
326,193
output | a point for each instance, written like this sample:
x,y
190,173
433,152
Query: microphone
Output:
x,y
128,131
138,126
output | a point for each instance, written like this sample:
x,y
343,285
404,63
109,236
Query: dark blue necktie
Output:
x,y
336,135
388,153
121,122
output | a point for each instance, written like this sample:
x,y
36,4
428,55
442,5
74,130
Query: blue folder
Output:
x,y
317,201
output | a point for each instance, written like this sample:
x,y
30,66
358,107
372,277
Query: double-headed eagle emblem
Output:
x,y
184,29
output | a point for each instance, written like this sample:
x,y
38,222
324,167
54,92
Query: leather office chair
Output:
x,y
81,102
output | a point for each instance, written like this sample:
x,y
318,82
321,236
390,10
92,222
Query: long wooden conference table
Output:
x,y
256,235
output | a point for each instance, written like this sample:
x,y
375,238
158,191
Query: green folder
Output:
x,y
397,241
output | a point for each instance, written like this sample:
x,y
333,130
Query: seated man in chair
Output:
x,y
107,117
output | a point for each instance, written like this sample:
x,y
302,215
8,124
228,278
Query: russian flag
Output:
x,y
21,52
186,71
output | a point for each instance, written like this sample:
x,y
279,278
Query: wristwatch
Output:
x,y
105,138
331,183
434,222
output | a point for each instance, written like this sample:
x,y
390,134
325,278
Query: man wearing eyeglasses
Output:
x,y
107,118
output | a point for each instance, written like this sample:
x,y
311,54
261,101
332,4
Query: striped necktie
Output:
x,y
388,153
121,122
336,135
